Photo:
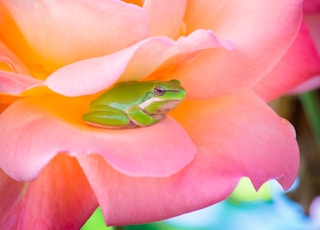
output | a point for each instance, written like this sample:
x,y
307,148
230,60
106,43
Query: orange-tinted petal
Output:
x,y
48,35
165,16
10,62
45,127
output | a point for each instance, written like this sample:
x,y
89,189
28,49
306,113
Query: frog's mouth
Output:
x,y
173,90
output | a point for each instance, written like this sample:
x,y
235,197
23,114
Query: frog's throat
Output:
x,y
148,102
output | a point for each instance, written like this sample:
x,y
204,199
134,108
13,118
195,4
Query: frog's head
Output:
x,y
165,95
169,91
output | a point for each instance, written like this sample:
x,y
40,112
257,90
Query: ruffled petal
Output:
x,y
13,83
260,41
166,17
299,64
134,63
58,33
10,62
60,198
44,127
14,75
236,136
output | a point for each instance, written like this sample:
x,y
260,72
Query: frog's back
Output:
x,y
125,95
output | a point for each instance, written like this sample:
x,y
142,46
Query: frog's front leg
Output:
x,y
106,117
141,118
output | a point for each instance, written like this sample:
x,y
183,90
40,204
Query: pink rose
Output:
x,y
57,56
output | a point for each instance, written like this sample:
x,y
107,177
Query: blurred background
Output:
x,y
270,207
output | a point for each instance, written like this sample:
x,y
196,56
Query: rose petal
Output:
x,y
10,193
166,17
13,83
46,127
93,75
269,143
60,198
10,62
137,2
313,22
311,6
300,63
259,38
308,85
58,33
14,75
236,136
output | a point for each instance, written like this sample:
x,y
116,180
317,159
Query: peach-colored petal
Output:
x,y
259,38
133,63
166,16
236,136
299,64
13,83
45,127
61,32
60,198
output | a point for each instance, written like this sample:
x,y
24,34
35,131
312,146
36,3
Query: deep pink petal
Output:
x,y
313,22
10,193
45,127
60,198
166,17
133,63
58,33
311,6
259,38
308,85
299,64
236,136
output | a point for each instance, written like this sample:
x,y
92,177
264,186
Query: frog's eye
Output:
x,y
159,90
